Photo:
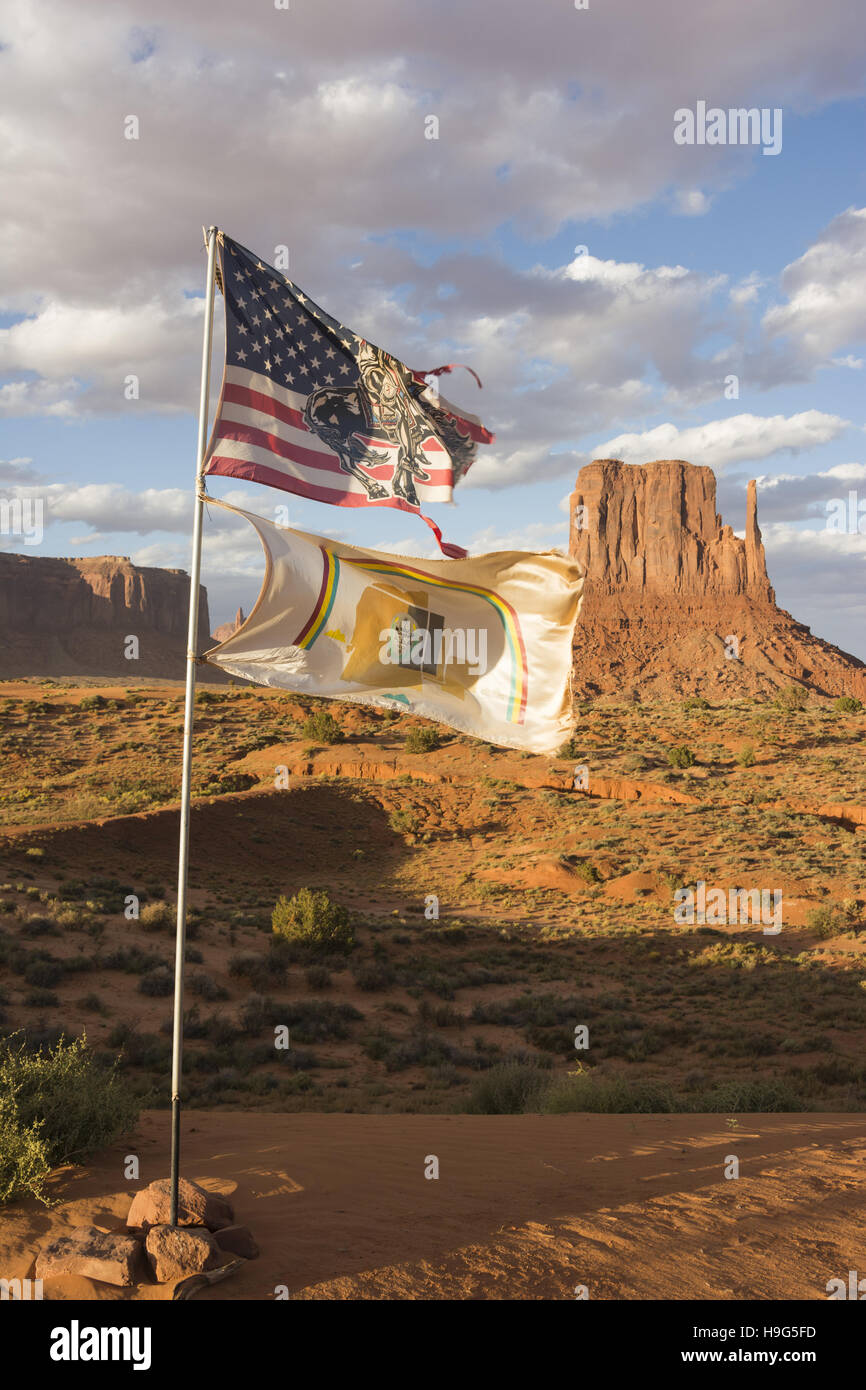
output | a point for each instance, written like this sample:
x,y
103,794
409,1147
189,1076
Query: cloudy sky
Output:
x,y
606,281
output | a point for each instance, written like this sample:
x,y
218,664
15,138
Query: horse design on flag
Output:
x,y
310,407
380,410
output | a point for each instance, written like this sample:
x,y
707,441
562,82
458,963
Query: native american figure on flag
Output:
x,y
381,409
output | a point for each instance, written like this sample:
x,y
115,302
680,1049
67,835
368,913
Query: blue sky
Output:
x,y
307,129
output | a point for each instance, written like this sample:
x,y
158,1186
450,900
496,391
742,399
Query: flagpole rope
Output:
x,y
192,661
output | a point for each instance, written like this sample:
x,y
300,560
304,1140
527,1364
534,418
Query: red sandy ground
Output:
x,y
525,1207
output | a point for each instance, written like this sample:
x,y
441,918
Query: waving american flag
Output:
x,y
310,407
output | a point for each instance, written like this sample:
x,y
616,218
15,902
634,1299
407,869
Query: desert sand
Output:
x,y
525,1207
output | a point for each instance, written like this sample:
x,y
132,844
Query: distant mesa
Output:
x,y
668,584
70,617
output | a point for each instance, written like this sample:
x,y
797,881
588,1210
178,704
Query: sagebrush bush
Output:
x,y
792,698
424,739
312,920
157,916
157,982
323,727
848,704
680,756
57,1105
509,1089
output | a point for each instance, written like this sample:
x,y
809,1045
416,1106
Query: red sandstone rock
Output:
x,y
667,583
70,616
112,1257
227,630
195,1207
237,1240
174,1252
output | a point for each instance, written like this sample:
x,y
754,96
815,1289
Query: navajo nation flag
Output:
x,y
483,645
310,407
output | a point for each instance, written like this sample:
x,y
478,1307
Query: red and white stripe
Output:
x,y
260,435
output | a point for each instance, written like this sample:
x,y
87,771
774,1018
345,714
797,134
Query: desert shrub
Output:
x,y
746,756
424,739
585,869
825,921
847,704
404,821
93,702
39,926
747,1097
696,702
198,982
614,1095
792,698
317,1020
373,975
157,982
93,1003
256,1012
131,960
323,727
41,999
312,920
680,756
228,782
509,1089
43,973
261,969
157,916
318,977
57,1105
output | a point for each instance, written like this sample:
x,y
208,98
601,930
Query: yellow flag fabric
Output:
x,y
482,644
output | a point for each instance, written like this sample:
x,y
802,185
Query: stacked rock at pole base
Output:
x,y
671,593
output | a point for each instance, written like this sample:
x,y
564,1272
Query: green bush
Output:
x,y
311,919
746,756
404,821
848,704
509,1089
696,702
158,982
569,750
792,698
323,727
825,921
157,916
57,1105
581,1091
680,756
424,739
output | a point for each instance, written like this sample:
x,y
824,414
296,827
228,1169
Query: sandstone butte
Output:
x,y
70,617
668,584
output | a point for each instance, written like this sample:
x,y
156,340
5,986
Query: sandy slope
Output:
x,y
525,1207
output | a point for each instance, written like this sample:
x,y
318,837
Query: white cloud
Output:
x,y
826,293
719,444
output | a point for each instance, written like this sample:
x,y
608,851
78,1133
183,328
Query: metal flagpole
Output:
x,y
188,714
